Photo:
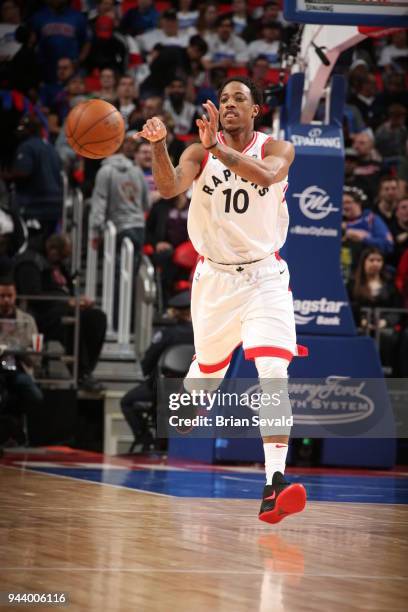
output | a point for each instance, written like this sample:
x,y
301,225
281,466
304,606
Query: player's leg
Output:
x,y
216,324
280,498
269,337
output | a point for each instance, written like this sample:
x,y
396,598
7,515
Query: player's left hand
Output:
x,y
208,126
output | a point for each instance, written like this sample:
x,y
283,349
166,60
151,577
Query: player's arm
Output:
x,y
273,168
171,181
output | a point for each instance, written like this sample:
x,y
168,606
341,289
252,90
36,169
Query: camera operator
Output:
x,y
19,392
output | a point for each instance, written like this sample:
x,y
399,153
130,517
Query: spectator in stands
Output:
x,y
107,48
207,19
225,49
187,16
143,158
399,229
402,174
271,13
387,199
13,232
120,195
362,228
10,19
364,98
133,404
391,136
183,113
394,92
129,148
23,72
175,147
167,34
107,91
48,276
126,100
374,288
61,32
258,71
240,16
392,54
104,8
49,91
166,229
73,93
367,172
17,371
401,281
37,176
167,63
150,107
269,45
140,19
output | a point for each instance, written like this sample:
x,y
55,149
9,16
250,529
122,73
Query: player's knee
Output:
x,y
197,380
271,367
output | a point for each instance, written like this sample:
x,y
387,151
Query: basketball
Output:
x,y
95,129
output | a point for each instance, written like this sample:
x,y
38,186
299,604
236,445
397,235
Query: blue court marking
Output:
x,y
242,485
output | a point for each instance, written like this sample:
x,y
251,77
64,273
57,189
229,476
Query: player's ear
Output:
x,y
255,110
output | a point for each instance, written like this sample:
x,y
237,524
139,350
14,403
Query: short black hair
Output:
x,y
256,93
198,41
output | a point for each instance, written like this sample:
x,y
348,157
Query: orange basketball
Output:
x,y
95,129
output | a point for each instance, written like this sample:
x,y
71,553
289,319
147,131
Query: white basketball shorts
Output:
x,y
249,304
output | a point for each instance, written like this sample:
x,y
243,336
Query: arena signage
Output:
x,y
314,138
312,248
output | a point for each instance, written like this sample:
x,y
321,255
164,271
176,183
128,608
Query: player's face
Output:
x,y
237,108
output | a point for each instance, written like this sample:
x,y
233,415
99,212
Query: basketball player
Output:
x,y
238,221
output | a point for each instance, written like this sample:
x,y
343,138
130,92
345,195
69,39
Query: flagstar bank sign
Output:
x,y
313,245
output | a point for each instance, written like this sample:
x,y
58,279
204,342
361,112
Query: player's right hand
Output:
x,y
153,130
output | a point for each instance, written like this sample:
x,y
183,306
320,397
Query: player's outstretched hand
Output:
x,y
208,127
153,130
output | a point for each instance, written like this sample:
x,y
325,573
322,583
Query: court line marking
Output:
x,y
108,484
156,570
168,495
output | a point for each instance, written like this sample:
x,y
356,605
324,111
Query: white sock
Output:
x,y
275,459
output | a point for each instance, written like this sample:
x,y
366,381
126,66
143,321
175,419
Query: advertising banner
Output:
x,y
312,248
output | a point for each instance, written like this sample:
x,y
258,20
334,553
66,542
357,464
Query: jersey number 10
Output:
x,y
239,204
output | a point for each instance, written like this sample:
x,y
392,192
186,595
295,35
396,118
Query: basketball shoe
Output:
x,y
281,499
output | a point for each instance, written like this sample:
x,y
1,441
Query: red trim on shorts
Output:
x,y
263,147
214,367
302,351
278,257
268,351
275,351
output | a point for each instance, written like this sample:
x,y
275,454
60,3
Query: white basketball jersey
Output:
x,y
232,220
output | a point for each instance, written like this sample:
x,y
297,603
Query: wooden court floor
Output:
x,y
114,549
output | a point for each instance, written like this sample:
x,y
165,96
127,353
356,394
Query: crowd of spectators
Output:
x,y
165,58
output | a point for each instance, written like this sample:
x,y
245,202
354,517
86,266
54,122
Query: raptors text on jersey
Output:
x,y
232,220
